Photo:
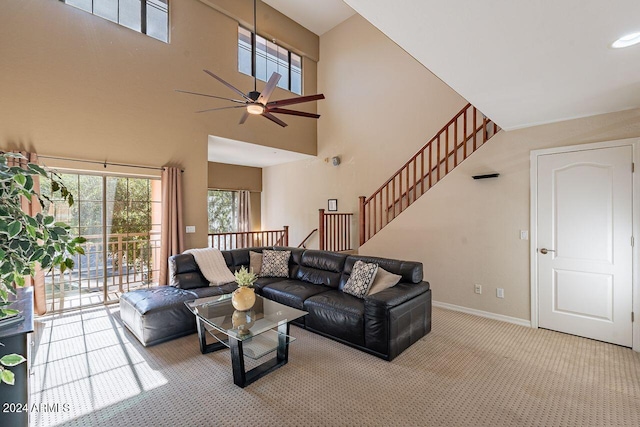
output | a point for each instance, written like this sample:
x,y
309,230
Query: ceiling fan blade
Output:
x,y
274,119
229,85
269,88
298,100
210,96
244,117
220,108
293,112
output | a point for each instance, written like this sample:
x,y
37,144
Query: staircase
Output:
x,y
462,136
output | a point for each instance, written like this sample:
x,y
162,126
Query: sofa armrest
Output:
x,y
395,295
396,318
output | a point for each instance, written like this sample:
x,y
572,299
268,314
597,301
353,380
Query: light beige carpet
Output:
x,y
469,371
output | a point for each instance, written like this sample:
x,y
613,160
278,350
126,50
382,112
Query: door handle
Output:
x,y
545,251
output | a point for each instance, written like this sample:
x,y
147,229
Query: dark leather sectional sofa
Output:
x,y
383,324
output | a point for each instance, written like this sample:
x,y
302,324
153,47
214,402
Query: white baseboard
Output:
x,y
494,316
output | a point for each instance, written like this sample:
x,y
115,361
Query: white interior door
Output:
x,y
584,239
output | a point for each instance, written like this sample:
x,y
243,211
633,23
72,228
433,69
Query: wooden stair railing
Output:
x,y
247,239
467,131
301,245
334,231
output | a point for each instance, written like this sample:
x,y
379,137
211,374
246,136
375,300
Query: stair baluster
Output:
x,y
440,151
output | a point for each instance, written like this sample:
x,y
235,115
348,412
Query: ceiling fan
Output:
x,y
258,103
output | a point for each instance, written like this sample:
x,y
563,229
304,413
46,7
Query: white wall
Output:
x,y
467,232
381,106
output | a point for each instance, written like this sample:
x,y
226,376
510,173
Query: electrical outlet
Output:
x,y
191,228
478,289
500,293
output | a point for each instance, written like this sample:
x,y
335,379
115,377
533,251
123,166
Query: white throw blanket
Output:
x,y
212,265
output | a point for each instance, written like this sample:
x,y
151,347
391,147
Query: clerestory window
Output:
x,y
269,58
150,17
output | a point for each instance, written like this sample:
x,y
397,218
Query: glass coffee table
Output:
x,y
253,333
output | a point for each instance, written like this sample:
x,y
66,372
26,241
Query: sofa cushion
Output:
x,y
383,280
239,257
395,296
275,263
265,281
321,268
360,279
337,314
157,314
411,271
292,292
215,290
184,272
255,262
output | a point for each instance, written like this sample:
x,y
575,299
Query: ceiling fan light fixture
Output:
x,y
626,41
255,109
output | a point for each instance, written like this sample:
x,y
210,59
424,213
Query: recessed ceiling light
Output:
x,y
626,41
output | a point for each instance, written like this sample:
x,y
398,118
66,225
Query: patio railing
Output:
x,y
125,262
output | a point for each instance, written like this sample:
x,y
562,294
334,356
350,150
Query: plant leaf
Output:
x,y
37,169
14,228
32,231
28,185
32,221
45,262
19,280
8,377
20,179
12,359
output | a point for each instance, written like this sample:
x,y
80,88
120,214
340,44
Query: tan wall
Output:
x,y
234,177
222,176
381,106
75,85
467,232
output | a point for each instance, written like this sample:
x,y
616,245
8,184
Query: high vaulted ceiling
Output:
x,y
521,62
318,16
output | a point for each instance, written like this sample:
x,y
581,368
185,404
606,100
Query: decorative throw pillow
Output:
x,y
384,280
361,279
275,263
255,262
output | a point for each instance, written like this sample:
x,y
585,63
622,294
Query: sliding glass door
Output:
x,y
120,218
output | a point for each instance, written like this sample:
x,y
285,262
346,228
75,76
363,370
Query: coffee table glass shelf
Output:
x,y
253,333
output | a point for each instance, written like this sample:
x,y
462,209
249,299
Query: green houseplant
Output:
x,y
244,297
245,277
28,241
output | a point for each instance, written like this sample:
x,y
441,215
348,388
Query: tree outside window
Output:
x,y
222,207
